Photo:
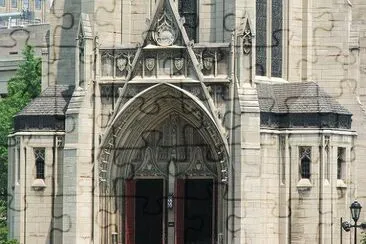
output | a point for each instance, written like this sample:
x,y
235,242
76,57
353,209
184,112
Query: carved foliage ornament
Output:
x,y
247,40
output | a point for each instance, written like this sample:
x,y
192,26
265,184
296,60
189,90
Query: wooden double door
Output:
x,y
190,219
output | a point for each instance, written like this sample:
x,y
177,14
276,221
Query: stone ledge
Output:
x,y
38,185
304,184
340,184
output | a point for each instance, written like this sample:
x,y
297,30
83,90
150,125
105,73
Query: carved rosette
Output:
x,y
165,33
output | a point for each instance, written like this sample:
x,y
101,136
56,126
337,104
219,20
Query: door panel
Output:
x,y
194,211
130,211
198,212
149,211
179,211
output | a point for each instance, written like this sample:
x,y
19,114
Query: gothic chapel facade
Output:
x,y
192,121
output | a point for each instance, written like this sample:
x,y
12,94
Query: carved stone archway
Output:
x,y
166,133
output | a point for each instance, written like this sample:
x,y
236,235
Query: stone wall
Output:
x,y
31,205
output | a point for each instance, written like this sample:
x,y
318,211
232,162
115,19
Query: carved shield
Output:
x,y
207,63
121,63
150,63
178,63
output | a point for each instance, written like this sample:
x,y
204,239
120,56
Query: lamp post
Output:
x,y
355,213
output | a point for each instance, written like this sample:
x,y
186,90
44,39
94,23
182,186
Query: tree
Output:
x,y
23,87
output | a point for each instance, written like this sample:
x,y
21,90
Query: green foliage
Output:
x,y
23,87
363,238
26,82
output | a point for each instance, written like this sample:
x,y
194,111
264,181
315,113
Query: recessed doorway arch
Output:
x,y
163,138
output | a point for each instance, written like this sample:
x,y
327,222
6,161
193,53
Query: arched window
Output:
x,y
269,37
39,154
305,162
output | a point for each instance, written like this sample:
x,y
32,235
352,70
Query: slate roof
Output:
x,y
300,105
284,105
296,97
45,112
52,101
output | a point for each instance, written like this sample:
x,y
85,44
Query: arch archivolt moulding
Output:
x,y
159,111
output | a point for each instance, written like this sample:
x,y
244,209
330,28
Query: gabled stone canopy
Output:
x,y
165,30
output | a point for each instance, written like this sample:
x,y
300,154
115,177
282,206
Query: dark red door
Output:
x,y
144,211
130,211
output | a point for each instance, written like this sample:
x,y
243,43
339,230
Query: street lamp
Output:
x,y
355,210
355,213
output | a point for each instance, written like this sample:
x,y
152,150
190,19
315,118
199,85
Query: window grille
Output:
x,y
305,162
269,38
39,154
188,10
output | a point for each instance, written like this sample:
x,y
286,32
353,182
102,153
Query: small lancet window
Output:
x,y
39,154
305,162
326,158
341,163
188,10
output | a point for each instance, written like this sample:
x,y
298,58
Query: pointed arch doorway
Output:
x,y
167,176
